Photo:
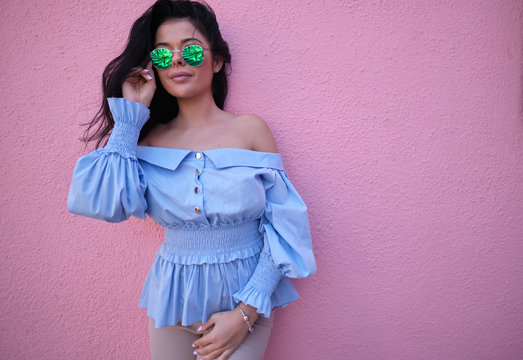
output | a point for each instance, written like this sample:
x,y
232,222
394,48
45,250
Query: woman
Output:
x,y
235,227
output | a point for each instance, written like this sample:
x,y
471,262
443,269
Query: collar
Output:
x,y
170,158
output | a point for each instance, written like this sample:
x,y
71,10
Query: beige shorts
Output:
x,y
174,342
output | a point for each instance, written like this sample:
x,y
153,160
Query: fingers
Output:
x,y
149,70
208,325
213,355
225,355
206,346
146,73
204,340
207,343
221,337
209,350
149,66
205,327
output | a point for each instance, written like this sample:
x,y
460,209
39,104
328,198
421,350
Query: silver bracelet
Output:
x,y
246,318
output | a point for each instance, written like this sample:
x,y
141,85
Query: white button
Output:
x,y
198,155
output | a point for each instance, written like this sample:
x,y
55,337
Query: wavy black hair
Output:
x,y
140,43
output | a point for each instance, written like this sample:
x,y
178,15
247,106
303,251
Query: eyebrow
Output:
x,y
183,41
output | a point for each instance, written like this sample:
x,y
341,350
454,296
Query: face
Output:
x,y
182,80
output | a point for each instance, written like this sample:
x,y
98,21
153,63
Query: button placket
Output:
x,y
200,161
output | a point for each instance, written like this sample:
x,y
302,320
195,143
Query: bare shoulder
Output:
x,y
155,132
144,142
258,133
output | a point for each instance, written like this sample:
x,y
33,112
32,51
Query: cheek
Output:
x,y
164,80
207,70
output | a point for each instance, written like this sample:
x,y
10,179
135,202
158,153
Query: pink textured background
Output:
x,y
400,123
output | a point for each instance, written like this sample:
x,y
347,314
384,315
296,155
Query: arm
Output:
x,y
285,227
287,252
287,247
109,183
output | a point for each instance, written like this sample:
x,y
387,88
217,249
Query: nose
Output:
x,y
177,57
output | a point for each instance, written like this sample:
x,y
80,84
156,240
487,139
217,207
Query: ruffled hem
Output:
x,y
174,293
283,295
260,300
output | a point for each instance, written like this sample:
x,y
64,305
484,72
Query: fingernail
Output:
x,y
193,345
149,77
199,329
194,352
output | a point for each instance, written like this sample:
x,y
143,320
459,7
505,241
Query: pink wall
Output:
x,y
400,123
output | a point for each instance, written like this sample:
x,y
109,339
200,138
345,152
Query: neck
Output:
x,y
196,111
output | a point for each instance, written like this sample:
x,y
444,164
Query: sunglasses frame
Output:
x,y
182,50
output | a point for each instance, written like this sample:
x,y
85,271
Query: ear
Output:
x,y
217,64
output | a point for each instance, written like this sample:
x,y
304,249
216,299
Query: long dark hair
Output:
x,y
164,106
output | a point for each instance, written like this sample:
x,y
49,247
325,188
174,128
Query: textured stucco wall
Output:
x,y
400,123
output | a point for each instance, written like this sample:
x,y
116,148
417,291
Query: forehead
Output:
x,y
177,31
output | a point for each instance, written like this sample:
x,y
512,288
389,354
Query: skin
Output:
x,y
200,125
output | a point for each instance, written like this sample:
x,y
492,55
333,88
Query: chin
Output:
x,y
178,90
177,93
182,92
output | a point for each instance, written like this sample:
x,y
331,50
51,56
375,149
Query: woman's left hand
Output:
x,y
227,332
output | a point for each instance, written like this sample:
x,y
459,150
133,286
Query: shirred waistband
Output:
x,y
212,244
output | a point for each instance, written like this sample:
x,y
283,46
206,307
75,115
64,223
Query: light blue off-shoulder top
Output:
x,y
235,227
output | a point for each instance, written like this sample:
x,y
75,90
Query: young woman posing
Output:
x,y
235,227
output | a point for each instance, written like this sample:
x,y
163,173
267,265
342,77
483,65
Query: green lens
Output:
x,y
193,55
161,58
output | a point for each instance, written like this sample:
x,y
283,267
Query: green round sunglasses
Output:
x,y
162,58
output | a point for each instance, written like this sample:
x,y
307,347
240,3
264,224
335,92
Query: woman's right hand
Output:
x,y
140,85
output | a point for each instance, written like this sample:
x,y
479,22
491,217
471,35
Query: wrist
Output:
x,y
129,118
250,311
145,102
249,320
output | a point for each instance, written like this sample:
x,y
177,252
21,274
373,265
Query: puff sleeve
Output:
x,y
109,183
287,250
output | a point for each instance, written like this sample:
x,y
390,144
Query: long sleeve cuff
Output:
x,y
129,117
257,292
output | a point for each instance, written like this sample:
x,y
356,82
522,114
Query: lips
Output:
x,y
179,76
